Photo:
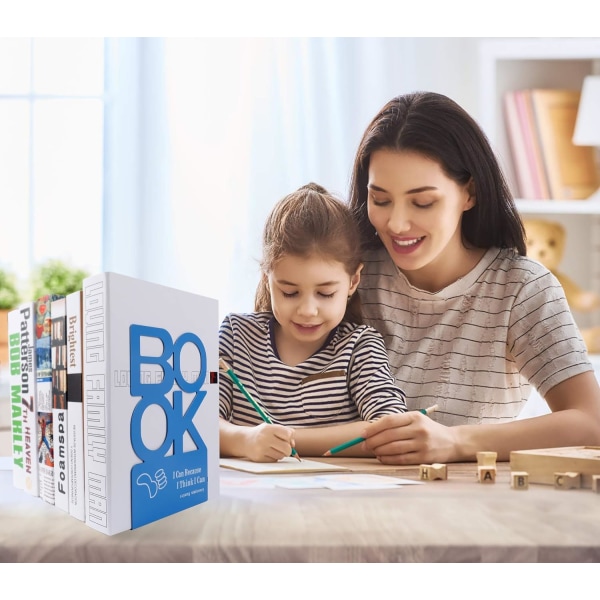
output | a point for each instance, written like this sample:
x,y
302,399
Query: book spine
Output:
x,y
516,139
45,433
75,406
58,343
96,379
539,172
16,398
527,125
28,371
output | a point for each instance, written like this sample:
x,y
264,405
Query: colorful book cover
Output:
x,y
45,432
58,344
75,406
150,401
24,383
16,384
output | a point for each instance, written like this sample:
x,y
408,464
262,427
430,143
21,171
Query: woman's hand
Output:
x,y
268,443
410,438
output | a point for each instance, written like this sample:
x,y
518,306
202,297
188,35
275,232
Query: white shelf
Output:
x,y
559,207
521,63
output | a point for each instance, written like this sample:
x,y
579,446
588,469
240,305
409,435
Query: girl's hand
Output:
x,y
410,438
269,443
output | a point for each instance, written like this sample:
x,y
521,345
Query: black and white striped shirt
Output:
x,y
348,379
475,347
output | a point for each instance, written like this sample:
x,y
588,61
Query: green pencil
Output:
x,y
343,446
358,440
263,415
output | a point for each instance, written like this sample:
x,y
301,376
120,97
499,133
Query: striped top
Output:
x,y
477,346
347,380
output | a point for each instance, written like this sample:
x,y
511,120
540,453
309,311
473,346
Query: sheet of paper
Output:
x,y
285,465
247,483
346,481
333,481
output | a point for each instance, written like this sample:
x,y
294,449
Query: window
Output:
x,y
51,152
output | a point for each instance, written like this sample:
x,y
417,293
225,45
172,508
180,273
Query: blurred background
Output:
x,y
161,157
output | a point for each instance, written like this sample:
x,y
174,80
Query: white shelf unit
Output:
x,y
521,63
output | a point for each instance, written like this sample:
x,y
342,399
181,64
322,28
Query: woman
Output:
x,y
469,322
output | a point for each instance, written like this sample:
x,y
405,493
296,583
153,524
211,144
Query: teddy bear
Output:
x,y
546,244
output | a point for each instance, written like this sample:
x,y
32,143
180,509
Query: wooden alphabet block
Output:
x,y
596,484
486,474
567,481
434,471
519,480
487,459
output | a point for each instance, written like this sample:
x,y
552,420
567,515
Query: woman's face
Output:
x,y
417,211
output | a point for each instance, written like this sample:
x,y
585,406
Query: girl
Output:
x,y
304,355
470,323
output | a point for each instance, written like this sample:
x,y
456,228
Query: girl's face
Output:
x,y
308,297
417,211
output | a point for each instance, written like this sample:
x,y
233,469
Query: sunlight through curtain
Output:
x,y
208,133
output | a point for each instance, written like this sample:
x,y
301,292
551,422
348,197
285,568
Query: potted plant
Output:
x,y
9,299
56,277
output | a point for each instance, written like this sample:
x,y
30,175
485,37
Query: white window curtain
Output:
x,y
205,135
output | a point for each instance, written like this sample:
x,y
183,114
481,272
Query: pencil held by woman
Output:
x,y
358,440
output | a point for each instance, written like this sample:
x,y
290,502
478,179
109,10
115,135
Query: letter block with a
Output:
x,y
486,474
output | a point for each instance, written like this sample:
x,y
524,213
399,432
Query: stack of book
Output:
x,y
114,401
547,165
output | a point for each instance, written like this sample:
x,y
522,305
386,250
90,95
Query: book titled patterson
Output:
x,y
23,382
150,401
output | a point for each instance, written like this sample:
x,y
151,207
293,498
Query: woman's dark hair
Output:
x,y
438,128
310,222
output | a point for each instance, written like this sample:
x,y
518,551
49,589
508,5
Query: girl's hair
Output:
x,y
309,222
437,127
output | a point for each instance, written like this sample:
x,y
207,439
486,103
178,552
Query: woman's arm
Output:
x,y
412,438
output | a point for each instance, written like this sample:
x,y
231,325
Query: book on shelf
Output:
x,y
58,344
45,432
534,151
18,380
571,170
23,383
150,401
516,139
528,165
75,406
